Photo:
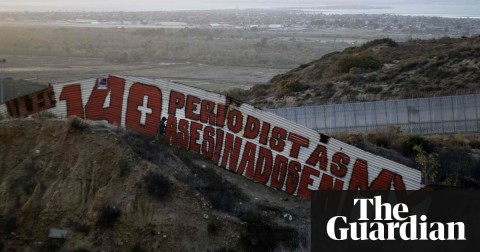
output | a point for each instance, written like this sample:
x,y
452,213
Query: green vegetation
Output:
x,y
379,70
289,87
363,61
428,164
446,160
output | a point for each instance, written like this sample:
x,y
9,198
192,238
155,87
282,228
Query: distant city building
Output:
x,y
275,26
85,21
220,25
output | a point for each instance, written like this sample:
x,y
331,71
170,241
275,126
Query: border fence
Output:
x,y
426,116
238,137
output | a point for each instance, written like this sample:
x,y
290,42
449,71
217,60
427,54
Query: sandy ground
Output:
x,y
50,69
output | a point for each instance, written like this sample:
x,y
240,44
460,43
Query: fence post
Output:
x,y
465,114
295,116
325,117
430,114
476,111
354,111
344,116
365,113
419,126
396,111
441,115
454,115
334,119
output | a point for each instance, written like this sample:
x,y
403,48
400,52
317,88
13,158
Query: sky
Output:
x,y
146,5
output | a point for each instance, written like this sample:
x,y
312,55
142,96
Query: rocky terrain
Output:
x,y
112,190
379,69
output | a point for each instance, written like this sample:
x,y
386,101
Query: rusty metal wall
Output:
x,y
4,111
256,144
30,104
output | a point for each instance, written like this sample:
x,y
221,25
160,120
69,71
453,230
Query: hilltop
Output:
x,y
379,69
111,189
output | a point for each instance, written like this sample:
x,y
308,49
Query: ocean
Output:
x,y
454,9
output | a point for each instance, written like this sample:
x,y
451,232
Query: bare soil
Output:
x,y
53,69
57,175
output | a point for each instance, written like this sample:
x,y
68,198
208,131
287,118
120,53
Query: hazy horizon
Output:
x,y
460,8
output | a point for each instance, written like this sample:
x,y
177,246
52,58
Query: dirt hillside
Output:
x,y
379,69
112,190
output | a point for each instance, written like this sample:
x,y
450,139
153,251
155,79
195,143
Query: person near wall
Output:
x,y
161,128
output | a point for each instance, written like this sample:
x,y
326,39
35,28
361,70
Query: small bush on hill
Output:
x,y
78,123
108,216
80,227
125,168
475,145
81,250
158,186
373,90
259,90
9,224
364,61
387,41
138,248
384,138
26,181
410,141
213,228
264,235
51,245
222,194
290,86
238,94
457,166
157,153
328,55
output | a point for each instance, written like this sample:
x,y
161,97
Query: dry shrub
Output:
x,y
108,216
364,61
78,123
158,186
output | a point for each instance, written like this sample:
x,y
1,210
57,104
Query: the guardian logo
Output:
x,y
391,223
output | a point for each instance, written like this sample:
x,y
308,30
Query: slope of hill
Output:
x,y
112,190
379,69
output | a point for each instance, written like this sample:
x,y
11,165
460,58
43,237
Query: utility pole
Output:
x,y
1,84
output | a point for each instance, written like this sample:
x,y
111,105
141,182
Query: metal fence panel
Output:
x,y
434,115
